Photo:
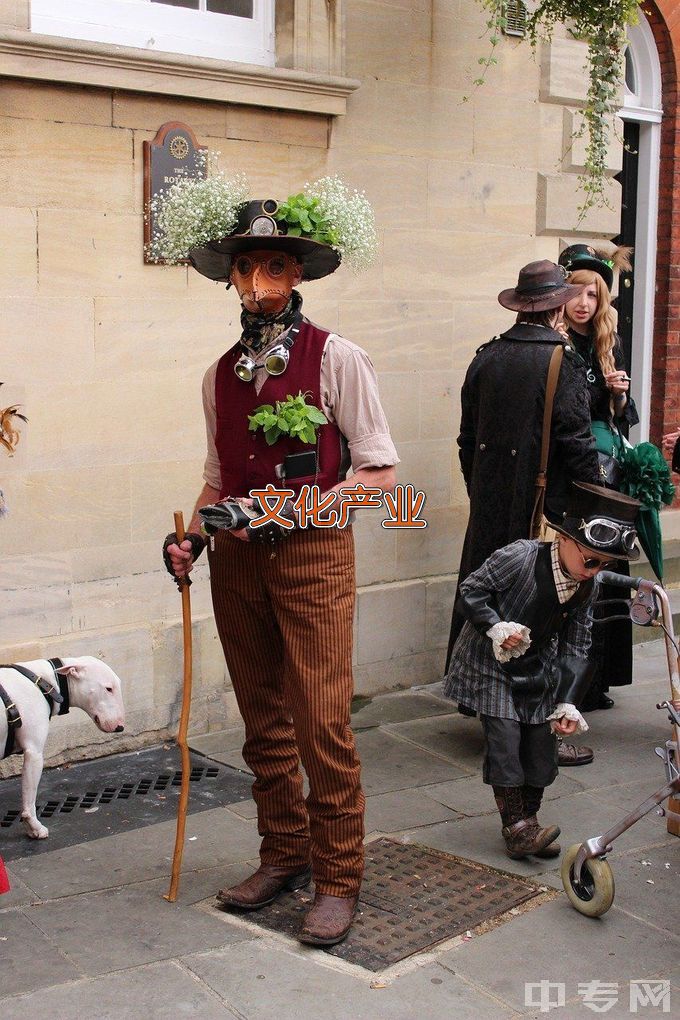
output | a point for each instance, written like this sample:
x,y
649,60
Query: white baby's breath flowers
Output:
x,y
193,211
352,218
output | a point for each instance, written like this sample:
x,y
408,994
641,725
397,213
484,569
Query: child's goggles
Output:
x,y
601,532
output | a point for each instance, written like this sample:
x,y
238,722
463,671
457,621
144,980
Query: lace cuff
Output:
x,y
568,712
500,631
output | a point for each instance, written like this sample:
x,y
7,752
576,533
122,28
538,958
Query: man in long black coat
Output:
x,y
501,426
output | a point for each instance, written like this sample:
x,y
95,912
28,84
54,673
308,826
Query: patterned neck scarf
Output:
x,y
565,585
260,330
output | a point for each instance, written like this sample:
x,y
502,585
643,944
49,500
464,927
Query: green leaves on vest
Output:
x,y
292,417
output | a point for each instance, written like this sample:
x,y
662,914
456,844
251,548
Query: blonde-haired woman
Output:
x,y
591,324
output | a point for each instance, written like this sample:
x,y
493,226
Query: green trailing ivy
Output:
x,y
292,417
602,24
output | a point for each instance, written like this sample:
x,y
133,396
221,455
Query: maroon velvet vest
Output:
x,y
246,462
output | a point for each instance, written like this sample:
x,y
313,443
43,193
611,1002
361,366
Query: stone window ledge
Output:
x,y
50,58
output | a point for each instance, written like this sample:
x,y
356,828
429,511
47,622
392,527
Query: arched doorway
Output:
x,y
641,115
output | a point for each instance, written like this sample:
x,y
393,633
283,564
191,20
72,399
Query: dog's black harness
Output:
x,y
52,697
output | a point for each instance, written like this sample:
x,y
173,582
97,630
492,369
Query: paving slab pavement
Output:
x,y
86,931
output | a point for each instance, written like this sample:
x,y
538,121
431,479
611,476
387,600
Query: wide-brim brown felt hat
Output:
x,y
589,503
540,287
257,230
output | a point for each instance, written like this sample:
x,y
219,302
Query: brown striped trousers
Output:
x,y
285,623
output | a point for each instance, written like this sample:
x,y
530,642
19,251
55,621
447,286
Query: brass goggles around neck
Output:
x,y
602,532
275,360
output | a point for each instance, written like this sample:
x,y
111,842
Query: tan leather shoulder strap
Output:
x,y
550,390
542,476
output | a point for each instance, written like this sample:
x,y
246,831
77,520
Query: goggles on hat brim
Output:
x,y
603,533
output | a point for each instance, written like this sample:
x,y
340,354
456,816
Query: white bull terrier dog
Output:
x,y
39,689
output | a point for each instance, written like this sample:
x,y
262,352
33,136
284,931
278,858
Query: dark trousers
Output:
x,y
285,623
518,754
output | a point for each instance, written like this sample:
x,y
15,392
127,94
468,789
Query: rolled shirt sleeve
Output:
x,y
211,469
350,394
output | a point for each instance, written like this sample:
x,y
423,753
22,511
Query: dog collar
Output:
x,y
63,699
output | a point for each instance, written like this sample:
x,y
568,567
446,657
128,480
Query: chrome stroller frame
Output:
x,y
586,875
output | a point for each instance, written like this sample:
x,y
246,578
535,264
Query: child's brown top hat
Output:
x,y
602,521
540,287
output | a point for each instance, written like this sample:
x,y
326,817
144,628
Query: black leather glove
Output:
x,y
232,516
197,547
227,516
272,533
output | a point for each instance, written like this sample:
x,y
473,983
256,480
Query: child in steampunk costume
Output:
x,y
501,431
284,599
521,660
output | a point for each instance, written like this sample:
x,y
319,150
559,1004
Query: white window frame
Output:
x,y
645,108
161,27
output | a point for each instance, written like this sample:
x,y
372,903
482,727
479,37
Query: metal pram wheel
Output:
x,y
594,894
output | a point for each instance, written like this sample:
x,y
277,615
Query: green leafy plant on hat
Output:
x,y
195,210
602,24
328,212
304,218
292,417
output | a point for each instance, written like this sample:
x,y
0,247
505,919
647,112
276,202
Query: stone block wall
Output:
x,y
107,354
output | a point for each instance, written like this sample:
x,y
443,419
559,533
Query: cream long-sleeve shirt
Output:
x,y
349,397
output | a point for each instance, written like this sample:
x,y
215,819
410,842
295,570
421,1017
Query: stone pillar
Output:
x,y
310,35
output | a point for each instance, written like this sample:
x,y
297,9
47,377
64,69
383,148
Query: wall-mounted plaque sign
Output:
x,y
172,154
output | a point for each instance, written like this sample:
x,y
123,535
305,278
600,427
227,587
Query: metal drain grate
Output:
x,y
94,797
412,897
114,794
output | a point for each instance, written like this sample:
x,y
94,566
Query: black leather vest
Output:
x,y
545,616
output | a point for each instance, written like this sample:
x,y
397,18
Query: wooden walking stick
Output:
x,y
184,584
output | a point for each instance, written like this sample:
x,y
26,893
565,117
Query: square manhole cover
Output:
x,y
98,798
412,897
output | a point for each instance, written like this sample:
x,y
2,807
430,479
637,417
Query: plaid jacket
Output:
x,y
474,676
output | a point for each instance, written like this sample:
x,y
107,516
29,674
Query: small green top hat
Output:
x,y
582,256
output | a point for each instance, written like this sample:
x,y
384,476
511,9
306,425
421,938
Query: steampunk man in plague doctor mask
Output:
x,y
284,599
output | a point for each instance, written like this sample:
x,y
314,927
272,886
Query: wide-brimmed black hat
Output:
x,y
257,230
602,521
540,287
583,256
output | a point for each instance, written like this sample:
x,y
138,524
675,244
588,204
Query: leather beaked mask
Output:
x,y
264,280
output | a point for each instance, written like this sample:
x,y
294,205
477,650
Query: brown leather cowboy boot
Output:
x,y
533,796
329,920
262,888
521,837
